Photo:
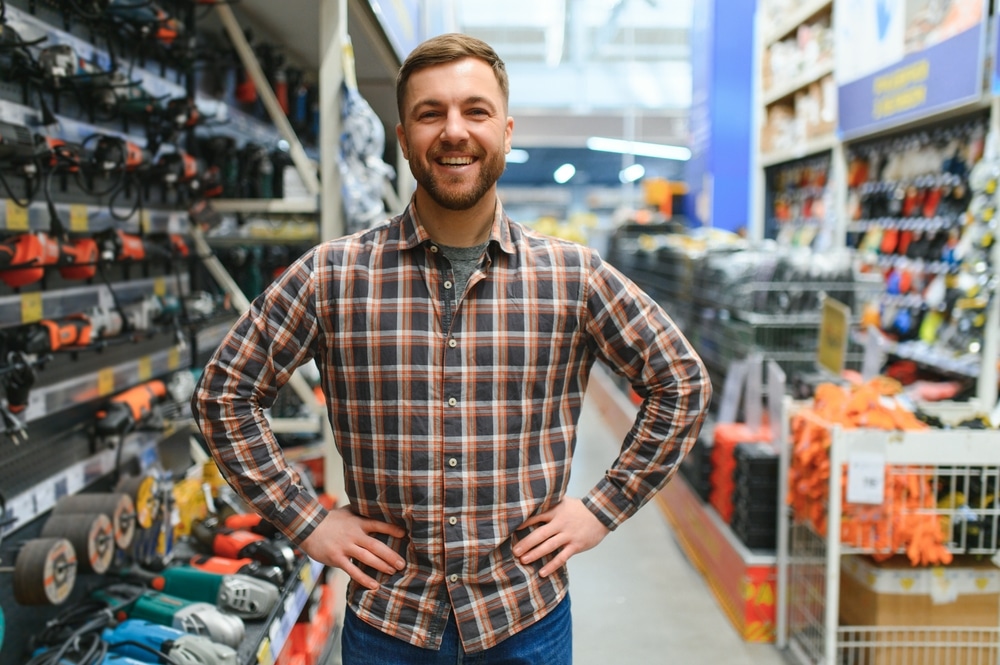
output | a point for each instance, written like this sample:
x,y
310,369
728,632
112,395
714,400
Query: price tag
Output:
x,y
306,576
17,217
79,218
145,221
105,382
865,478
160,287
31,307
264,655
145,368
173,358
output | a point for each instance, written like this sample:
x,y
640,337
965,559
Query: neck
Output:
x,y
456,228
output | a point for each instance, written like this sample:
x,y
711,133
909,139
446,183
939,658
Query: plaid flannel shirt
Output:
x,y
456,422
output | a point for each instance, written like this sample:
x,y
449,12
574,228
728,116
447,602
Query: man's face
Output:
x,y
455,131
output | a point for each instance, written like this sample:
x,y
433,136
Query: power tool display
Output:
x,y
119,121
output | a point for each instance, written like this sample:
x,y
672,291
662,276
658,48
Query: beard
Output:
x,y
453,192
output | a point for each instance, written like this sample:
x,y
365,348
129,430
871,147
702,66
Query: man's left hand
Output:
x,y
567,528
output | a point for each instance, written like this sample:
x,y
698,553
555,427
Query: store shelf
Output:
x,y
266,206
811,75
804,149
805,11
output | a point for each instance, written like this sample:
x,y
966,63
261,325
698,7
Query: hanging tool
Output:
x,y
16,378
129,601
127,410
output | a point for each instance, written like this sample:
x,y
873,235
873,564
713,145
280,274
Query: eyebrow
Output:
x,y
468,101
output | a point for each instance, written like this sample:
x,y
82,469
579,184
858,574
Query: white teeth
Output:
x,y
456,161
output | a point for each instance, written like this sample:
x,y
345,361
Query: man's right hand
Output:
x,y
342,539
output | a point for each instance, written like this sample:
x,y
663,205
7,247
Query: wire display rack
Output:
x,y
954,467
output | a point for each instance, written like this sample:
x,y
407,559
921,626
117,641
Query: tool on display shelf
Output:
x,y
242,544
92,536
44,571
136,638
17,377
245,596
116,506
87,633
129,601
127,410
229,566
17,156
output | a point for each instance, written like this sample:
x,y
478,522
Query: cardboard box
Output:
x,y
941,602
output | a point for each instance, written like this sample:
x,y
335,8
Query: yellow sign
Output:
x,y
31,307
105,381
834,328
264,655
145,368
79,218
17,217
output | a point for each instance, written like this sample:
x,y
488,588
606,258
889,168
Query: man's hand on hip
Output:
x,y
342,539
567,528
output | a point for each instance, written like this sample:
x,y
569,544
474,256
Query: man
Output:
x,y
454,348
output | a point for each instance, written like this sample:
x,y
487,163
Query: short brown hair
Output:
x,y
448,48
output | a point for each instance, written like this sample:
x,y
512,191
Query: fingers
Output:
x,y
344,540
374,526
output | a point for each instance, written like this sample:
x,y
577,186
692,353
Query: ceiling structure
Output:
x,y
578,68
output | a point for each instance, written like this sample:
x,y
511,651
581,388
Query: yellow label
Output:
x,y
105,382
264,656
834,328
145,221
305,574
160,287
173,358
31,307
145,368
79,218
17,217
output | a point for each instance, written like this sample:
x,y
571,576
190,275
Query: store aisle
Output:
x,y
636,598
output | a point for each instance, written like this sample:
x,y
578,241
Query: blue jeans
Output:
x,y
549,641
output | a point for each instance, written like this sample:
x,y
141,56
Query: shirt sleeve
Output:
x,y
267,343
637,340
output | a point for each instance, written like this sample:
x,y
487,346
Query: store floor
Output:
x,y
636,598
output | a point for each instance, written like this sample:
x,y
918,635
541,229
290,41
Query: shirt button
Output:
x,y
453,521
453,578
452,402
434,249
452,343
453,462
447,284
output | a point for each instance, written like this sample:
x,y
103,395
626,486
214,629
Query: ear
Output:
x,y
401,136
508,134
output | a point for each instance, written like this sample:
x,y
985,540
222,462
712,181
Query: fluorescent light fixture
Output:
x,y
517,156
658,150
564,173
632,173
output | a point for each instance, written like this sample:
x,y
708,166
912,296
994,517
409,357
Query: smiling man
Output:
x,y
454,348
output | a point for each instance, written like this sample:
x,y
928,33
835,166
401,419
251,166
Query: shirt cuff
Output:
x,y
609,504
300,518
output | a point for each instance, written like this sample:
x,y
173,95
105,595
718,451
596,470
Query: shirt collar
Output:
x,y
413,234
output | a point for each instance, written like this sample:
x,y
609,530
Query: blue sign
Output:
x,y
943,76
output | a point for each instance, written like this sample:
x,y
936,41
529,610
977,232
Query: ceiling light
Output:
x,y
517,156
631,173
658,150
564,173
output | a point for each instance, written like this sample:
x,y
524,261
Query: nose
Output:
x,y
454,129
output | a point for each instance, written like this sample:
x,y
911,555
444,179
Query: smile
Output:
x,y
455,161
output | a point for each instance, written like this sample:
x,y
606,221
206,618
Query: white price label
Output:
x,y
866,478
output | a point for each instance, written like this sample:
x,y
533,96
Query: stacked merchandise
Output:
x,y
697,467
755,496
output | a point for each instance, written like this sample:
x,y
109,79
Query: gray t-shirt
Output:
x,y
464,261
